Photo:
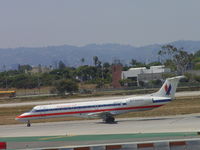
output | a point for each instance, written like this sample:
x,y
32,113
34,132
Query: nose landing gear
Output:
x,y
28,123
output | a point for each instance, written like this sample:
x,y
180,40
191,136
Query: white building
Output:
x,y
134,73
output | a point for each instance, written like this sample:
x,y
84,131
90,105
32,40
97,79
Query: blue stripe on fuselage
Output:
x,y
78,107
161,101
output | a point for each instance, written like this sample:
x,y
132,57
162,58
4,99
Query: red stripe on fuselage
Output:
x,y
89,111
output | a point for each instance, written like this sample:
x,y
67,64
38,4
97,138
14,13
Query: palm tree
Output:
x,y
96,60
82,60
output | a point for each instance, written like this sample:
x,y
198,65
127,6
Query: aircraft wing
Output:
x,y
100,114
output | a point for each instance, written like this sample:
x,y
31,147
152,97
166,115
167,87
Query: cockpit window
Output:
x,y
33,110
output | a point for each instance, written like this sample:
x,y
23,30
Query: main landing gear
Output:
x,y
28,123
109,119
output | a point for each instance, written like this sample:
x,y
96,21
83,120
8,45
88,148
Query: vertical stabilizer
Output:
x,y
168,89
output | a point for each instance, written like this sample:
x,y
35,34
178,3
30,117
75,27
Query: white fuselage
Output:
x,y
93,108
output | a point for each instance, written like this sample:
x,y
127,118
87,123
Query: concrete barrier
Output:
x,y
192,145
162,146
3,145
169,145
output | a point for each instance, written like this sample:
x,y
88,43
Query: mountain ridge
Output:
x,y
71,55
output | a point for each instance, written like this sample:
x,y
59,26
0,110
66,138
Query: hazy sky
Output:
x,y
80,22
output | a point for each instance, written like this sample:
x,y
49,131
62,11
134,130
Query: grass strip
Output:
x,y
97,137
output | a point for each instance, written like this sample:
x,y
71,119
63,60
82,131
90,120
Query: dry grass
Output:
x,y
182,105
8,115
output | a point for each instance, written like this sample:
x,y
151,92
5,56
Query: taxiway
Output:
x,y
181,123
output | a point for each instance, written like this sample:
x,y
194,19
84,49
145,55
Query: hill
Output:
x,y
71,55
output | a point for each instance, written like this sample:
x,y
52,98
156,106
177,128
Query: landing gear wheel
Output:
x,y
28,123
109,120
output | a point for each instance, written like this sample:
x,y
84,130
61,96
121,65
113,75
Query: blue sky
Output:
x,y
80,22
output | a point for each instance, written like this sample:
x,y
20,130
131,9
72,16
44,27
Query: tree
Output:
x,y
23,81
99,63
100,83
156,82
155,63
134,63
170,64
107,72
197,54
106,65
82,60
86,73
67,73
23,68
64,86
197,78
180,58
197,66
61,65
96,60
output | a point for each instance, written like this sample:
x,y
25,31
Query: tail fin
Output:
x,y
168,89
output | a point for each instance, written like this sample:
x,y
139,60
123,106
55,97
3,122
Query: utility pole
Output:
x,y
6,83
6,79
102,72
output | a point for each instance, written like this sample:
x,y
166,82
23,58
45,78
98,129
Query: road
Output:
x,y
178,94
182,123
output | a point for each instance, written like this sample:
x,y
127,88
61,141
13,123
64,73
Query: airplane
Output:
x,y
105,109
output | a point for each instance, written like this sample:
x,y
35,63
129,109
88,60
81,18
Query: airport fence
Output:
x,y
105,91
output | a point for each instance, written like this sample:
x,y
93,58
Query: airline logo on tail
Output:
x,y
168,89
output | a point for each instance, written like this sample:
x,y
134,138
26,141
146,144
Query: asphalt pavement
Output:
x,y
181,123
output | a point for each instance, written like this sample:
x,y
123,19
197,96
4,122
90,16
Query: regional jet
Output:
x,y
105,109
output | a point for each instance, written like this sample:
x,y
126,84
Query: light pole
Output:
x,y
4,66
6,83
102,72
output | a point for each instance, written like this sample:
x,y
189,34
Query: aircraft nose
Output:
x,y
18,118
21,117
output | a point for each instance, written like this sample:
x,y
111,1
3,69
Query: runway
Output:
x,y
182,123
